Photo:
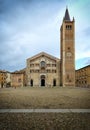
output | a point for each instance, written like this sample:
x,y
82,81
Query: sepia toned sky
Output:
x,y
28,27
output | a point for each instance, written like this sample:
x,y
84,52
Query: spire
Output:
x,y
67,17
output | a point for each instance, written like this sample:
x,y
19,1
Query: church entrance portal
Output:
x,y
43,80
31,82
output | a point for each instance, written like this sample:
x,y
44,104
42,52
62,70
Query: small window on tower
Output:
x,y
68,48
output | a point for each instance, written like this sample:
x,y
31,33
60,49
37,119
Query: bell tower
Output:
x,y
67,51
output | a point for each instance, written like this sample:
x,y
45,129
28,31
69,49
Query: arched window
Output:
x,y
42,76
43,63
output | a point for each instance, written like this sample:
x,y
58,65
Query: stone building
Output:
x,y
82,77
46,70
2,78
17,79
5,78
43,70
8,79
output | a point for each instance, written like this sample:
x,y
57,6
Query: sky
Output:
x,y
28,27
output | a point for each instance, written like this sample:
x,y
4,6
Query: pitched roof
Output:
x,y
45,54
67,17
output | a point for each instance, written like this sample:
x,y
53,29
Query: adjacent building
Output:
x,y
82,77
17,79
8,79
3,77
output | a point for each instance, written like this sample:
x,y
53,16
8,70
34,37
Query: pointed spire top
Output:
x,y
67,17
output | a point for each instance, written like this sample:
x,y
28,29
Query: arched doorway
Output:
x,y
31,82
42,80
54,82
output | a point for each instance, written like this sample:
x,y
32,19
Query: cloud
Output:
x,y
24,32
28,27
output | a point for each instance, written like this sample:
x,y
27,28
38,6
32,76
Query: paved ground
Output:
x,y
44,110
45,98
29,109
45,121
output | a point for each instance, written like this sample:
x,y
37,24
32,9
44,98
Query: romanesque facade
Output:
x,y
43,70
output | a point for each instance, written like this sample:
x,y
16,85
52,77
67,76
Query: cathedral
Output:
x,y
46,70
